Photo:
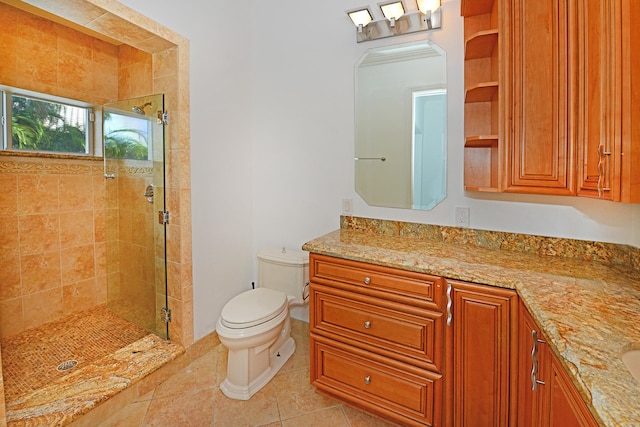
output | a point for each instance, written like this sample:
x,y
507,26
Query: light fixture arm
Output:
x,y
427,19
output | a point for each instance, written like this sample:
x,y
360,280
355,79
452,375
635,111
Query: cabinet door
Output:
x,y
541,76
546,396
630,174
565,406
481,355
532,360
599,98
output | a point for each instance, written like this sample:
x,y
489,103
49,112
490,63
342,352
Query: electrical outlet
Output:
x,y
347,207
462,217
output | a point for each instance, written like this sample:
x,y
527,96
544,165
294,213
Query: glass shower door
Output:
x,y
135,233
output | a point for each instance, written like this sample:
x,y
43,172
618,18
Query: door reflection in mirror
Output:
x,y
429,148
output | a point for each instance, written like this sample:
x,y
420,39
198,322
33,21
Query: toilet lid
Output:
x,y
253,307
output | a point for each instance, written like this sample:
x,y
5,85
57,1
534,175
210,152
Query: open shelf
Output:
x,y
482,145
481,141
475,7
481,44
481,168
482,92
483,189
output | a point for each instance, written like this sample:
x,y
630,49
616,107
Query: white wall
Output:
x,y
220,147
272,140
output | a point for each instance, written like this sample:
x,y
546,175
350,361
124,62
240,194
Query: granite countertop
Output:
x,y
588,310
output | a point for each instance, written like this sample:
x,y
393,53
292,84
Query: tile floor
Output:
x,y
192,397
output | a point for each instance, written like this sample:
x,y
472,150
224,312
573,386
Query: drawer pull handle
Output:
x,y
367,324
367,379
367,280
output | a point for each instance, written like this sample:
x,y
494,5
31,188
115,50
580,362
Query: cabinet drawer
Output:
x,y
385,387
411,335
403,286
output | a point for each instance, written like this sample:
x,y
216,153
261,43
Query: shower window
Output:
x,y
42,123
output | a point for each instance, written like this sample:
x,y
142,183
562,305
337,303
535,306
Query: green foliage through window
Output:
x,y
126,137
41,125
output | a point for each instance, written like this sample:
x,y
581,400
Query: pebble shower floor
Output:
x,y
30,359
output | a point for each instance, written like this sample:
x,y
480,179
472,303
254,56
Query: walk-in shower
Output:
x,y
53,371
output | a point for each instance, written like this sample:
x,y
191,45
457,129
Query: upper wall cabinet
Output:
x,y
561,121
538,83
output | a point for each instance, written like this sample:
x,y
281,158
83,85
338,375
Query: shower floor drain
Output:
x,y
67,366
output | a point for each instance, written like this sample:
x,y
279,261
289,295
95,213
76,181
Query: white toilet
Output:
x,y
255,325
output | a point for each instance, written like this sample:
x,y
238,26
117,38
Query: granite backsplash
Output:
x,y
606,253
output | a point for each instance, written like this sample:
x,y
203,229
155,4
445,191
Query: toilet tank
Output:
x,y
284,270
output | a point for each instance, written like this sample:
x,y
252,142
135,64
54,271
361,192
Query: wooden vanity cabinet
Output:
x,y
377,339
546,396
481,349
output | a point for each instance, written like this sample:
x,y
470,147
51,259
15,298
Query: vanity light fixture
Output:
x,y
360,17
392,11
400,19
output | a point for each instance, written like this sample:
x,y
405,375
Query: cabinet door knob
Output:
x,y
367,280
367,379
367,324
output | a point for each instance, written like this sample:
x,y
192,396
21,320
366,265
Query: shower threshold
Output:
x,y
111,354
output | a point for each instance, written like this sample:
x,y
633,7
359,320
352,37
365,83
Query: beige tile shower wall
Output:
x,y
134,73
170,74
52,213
44,56
53,247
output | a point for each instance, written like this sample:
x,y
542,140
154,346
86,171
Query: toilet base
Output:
x,y
277,359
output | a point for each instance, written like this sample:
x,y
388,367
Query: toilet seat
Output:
x,y
253,307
